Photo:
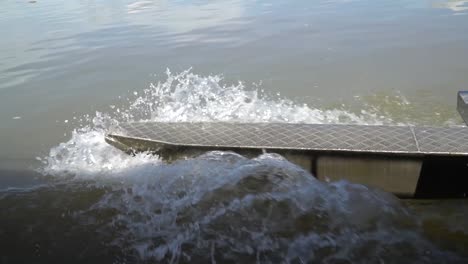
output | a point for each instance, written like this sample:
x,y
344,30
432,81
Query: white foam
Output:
x,y
181,97
223,206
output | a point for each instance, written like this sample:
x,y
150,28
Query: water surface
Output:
x,y
69,70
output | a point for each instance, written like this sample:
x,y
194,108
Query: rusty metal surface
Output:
x,y
318,137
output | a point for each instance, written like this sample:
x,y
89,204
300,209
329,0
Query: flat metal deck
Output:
x,y
305,137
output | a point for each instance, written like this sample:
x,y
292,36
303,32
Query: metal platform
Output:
x,y
408,161
310,137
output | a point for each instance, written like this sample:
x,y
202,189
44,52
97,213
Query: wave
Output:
x,y
223,207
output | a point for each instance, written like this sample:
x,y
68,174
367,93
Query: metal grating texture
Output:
x,y
324,137
320,137
442,140
385,139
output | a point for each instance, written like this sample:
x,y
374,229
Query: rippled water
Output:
x,y
406,59
69,70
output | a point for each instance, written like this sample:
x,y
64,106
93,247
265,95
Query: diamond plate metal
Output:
x,y
322,137
442,140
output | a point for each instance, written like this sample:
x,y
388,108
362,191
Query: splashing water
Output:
x,y
182,97
223,207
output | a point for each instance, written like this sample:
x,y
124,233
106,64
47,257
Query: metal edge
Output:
x,y
111,140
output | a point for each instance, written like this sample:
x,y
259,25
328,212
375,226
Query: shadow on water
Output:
x,y
443,222
43,226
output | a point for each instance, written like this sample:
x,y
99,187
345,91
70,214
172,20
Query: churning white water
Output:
x,y
181,97
223,207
